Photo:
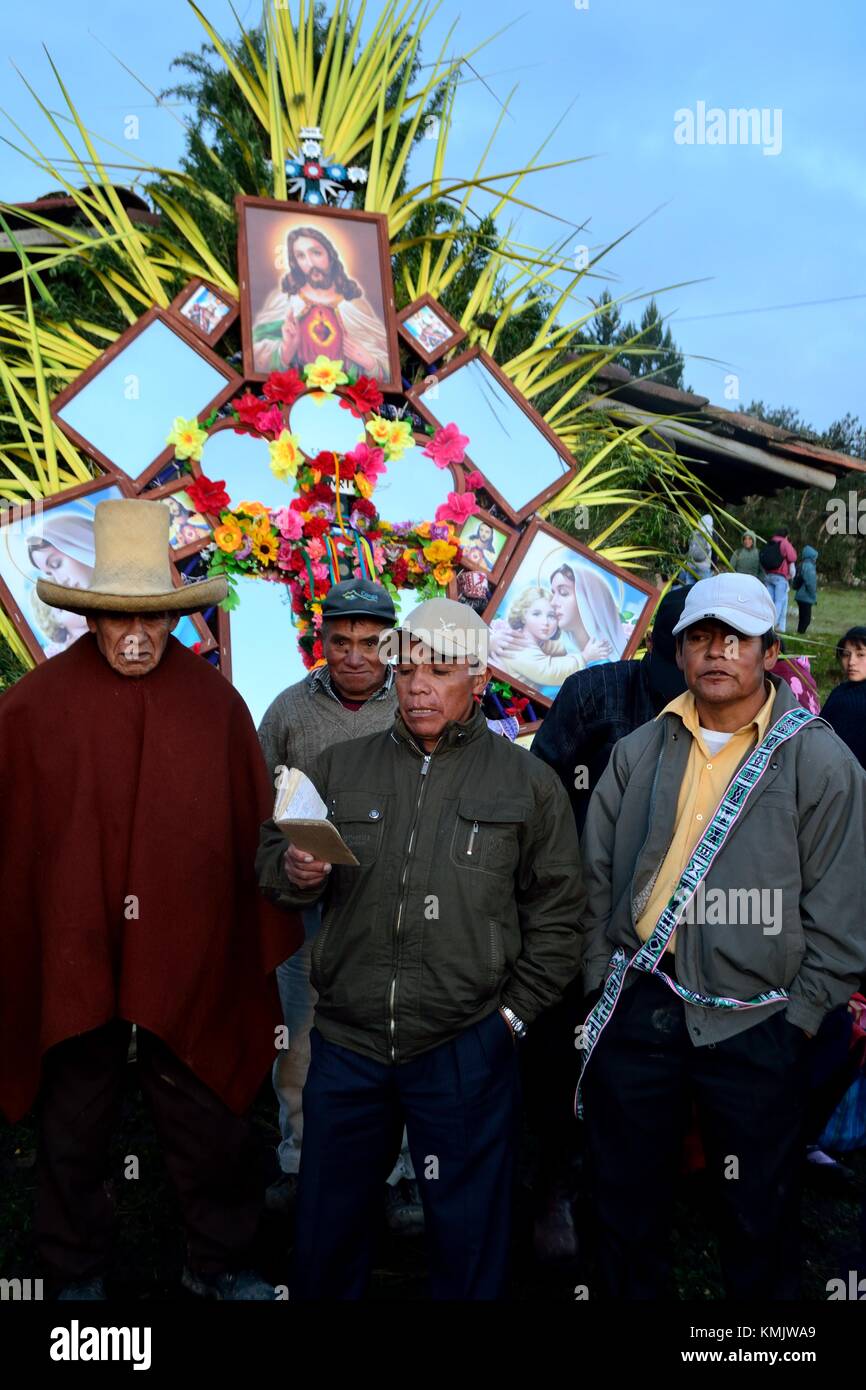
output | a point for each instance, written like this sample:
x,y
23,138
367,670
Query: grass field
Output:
x,y
148,1252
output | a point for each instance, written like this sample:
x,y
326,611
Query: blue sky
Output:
x,y
754,230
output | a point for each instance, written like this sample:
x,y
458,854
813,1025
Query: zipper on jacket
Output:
x,y
472,836
392,993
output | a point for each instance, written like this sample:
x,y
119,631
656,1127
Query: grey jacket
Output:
x,y
803,832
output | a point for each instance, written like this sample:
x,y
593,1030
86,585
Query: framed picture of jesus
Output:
x,y
316,281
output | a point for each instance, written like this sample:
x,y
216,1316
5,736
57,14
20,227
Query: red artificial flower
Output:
x,y
319,492
208,496
516,706
248,408
363,397
318,650
299,604
284,387
475,480
400,573
316,526
196,647
364,506
325,463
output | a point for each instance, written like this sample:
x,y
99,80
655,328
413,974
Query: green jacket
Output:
x,y
467,896
799,842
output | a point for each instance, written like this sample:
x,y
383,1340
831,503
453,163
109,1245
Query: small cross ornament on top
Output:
x,y
314,179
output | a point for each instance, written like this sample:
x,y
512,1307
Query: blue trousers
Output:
x,y
460,1104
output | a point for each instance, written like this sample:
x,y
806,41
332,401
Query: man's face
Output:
x,y
853,660
721,666
132,643
351,649
314,262
432,694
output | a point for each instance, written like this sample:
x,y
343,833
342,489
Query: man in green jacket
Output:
x,y
455,931
725,878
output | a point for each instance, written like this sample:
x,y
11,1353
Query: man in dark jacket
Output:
x,y
598,706
436,954
726,876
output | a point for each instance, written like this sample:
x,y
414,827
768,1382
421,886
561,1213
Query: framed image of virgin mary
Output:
x,y
560,608
316,281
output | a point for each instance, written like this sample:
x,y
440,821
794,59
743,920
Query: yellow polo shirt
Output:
x,y
704,783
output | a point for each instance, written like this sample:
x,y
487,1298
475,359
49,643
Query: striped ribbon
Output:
x,y
647,958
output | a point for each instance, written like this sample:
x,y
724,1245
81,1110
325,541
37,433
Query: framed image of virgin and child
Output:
x,y
316,281
57,543
560,608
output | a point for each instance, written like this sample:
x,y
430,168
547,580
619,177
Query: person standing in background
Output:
x,y
778,561
746,560
806,592
845,710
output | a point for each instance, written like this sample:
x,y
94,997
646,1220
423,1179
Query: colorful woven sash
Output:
x,y
647,958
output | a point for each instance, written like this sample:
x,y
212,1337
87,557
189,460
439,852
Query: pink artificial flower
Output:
x,y
458,508
475,479
321,572
289,524
315,548
317,621
379,558
370,462
270,421
448,445
284,557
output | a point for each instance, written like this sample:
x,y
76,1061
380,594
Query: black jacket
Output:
x,y
592,711
467,896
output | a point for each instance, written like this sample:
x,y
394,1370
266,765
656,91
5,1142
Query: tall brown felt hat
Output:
x,y
132,572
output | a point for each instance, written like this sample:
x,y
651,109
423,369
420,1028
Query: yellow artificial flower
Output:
x,y
229,536
379,429
260,531
325,373
423,529
439,552
188,438
363,485
400,438
253,508
265,549
285,456
443,574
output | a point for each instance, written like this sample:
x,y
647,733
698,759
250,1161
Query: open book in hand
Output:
x,y
302,816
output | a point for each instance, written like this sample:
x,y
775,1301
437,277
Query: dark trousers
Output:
x,y
460,1105
208,1150
805,611
750,1093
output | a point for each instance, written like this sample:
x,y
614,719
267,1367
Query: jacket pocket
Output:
x,y
360,818
486,835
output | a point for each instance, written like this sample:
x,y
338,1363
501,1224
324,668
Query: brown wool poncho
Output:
x,y
129,819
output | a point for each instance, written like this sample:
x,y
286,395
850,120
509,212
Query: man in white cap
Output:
x,y
726,876
436,953
135,788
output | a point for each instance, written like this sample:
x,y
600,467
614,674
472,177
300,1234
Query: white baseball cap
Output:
x,y
739,600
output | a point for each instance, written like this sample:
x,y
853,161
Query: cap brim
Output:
x,y
388,620
439,644
732,617
190,598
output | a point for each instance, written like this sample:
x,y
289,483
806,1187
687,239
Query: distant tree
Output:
x,y
653,354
